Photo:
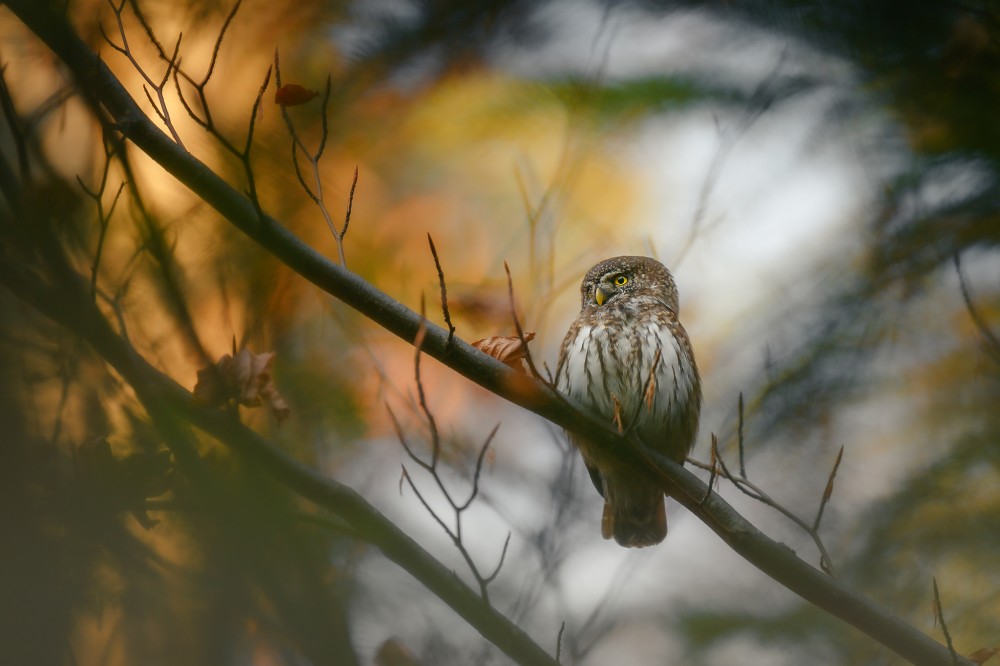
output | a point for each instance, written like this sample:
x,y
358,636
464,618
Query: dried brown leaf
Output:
x,y
243,379
983,655
509,350
293,95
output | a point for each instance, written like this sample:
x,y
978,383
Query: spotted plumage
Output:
x,y
627,323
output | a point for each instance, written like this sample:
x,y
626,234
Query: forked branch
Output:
x,y
743,484
432,467
313,157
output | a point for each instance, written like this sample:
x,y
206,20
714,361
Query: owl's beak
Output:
x,y
600,295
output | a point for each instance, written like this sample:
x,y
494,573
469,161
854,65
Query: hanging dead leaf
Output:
x,y
293,95
509,350
243,379
983,655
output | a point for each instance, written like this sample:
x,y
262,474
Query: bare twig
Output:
x,y
174,69
160,105
828,491
562,628
444,290
939,619
750,489
103,217
479,468
200,87
418,343
354,186
520,331
496,571
713,473
298,145
245,155
431,467
114,302
739,438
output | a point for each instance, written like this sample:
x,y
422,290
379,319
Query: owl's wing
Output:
x,y
595,477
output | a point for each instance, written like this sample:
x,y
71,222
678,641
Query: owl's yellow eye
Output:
x,y
621,280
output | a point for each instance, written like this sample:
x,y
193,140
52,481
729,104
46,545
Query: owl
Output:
x,y
628,359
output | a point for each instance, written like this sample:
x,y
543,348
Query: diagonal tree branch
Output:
x,y
66,303
774,559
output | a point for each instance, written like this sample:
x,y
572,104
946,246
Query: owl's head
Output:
x,y
620,279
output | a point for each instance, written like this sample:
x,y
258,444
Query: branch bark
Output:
x,y
777,560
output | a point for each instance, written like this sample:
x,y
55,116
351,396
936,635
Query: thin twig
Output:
x,y
103,217
713,473
200,87
479,467
496,571
939,618
750,489
444,290
431,467
739,438
418,343
828,491
354,186
520,331
562,628
245,155
298,145
160,106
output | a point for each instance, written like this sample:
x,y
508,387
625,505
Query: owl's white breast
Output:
x,y
597,371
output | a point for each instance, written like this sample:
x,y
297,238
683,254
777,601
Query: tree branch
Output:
x,y
774,559
68,304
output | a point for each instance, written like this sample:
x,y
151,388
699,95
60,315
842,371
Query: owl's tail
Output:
x,y
634,514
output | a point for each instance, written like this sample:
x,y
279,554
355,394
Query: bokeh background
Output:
x,y
821,178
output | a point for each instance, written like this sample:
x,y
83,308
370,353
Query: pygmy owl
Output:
x,y
627,358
